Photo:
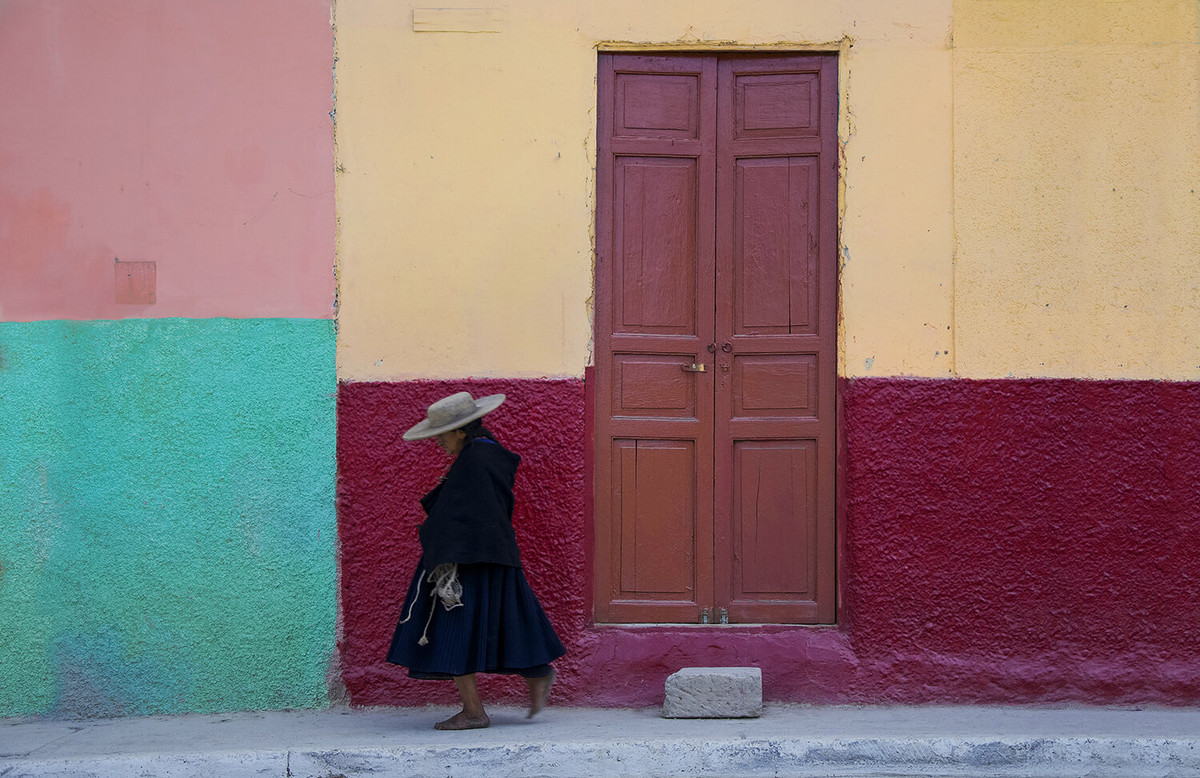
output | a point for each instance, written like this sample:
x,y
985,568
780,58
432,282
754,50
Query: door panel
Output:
x,y
654,319
653,386
655,576
656,494
777,330
773,576
656,233
768,386
663,104
774,245
716,337
775,105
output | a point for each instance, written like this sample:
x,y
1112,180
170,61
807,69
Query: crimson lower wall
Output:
x,y
1021,540
380,479
1001,541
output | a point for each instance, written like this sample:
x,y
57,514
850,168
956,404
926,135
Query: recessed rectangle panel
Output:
x,y
774,518
775,246
655,242
655,492
657,105
653,385
776,105
762,263
775,385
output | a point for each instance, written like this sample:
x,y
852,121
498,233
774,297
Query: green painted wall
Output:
x,y
167,525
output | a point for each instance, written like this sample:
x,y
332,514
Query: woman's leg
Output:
x,y
539,691
472,716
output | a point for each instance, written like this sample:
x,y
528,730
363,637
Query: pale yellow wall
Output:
x,y
1077,188
466,176
897,275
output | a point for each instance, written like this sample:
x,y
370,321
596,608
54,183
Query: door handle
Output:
x,y
692,368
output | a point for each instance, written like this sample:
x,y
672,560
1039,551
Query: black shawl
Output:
x,y
469,514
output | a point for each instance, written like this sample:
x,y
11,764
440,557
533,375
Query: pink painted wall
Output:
x,y
195,135
1009,541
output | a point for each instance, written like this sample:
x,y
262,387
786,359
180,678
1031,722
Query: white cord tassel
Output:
x,y
446,585
446,588
411,605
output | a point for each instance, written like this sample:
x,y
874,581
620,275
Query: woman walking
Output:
x,y
469,608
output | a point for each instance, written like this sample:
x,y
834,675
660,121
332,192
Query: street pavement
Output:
x,y
787,740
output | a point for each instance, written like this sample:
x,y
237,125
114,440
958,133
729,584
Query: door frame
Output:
x,y
830,226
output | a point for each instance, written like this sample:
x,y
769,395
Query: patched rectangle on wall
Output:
x,y
457,19
136,282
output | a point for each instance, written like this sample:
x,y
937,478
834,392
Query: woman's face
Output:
x,y
452,442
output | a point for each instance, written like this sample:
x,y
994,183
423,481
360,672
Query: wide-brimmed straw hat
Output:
x,y
450,413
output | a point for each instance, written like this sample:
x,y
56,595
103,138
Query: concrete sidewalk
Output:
x,y
785,741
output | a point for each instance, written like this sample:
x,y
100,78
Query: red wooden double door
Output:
x,y
716,339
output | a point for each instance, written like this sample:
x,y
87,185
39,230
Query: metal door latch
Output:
x,y
704,615
724,616
692,368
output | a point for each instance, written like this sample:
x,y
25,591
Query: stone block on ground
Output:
x,y
714,693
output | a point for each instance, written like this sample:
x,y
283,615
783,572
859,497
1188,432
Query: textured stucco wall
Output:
x,y
465,174
1076,207
195,135
167,529
167,484
380,479
1024,540
1004,541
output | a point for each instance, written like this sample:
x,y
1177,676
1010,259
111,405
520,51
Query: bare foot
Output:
x,y
539,693
461,720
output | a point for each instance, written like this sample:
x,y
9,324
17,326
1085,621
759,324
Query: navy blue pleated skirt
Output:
x,y
500,628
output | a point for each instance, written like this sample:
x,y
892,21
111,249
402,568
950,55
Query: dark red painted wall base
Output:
x,y
1024,540
381,477
1011,541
